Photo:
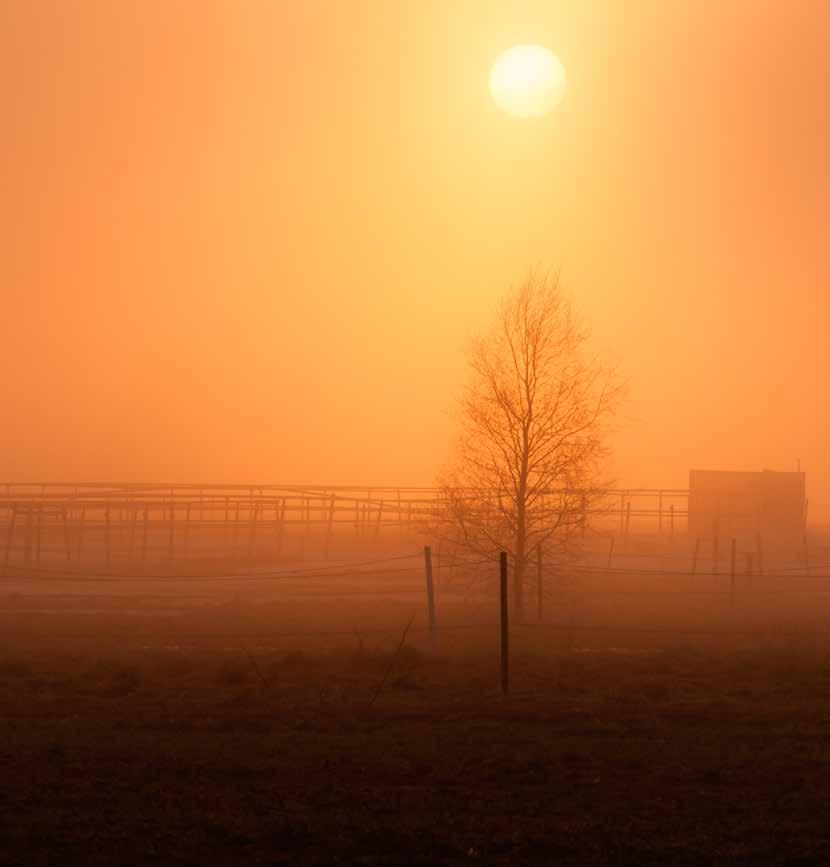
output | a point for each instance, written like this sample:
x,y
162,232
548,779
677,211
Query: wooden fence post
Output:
x,y
81,525
187,530
377,523
759,552
38,531
133,521
236,530
281,536
171,538
504,626
539,584
252,534
107,542
9,537
66,540
329,527
27,537
302,532
430,592
144,533
611,550
627,521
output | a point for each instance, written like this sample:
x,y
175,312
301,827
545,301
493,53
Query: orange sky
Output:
x,y
248,240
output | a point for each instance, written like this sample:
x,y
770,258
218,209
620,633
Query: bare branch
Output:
x,y
533,422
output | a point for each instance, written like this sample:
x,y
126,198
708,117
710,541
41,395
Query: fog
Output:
x,y
261,258
387,479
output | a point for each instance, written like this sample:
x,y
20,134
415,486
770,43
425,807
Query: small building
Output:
x,y
745,503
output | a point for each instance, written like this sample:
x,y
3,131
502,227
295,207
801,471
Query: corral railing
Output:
x,y
132,523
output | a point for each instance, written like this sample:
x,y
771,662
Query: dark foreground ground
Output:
x,y
181,738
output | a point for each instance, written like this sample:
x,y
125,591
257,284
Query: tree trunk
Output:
x,y
519,562
521,526
518,587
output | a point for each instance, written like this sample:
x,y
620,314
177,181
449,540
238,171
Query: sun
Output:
x,y
527,81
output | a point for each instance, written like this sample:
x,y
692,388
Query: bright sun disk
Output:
x,y
527,81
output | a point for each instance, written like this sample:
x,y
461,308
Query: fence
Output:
x,y
130,525
436,592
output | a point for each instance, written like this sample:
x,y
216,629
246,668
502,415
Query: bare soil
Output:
x,y
198,727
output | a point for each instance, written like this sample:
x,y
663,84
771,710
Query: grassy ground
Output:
x,y
214,735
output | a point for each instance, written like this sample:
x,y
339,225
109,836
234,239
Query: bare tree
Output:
x,y
532,424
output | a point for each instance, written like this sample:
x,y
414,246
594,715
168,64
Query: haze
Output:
x,y
251,243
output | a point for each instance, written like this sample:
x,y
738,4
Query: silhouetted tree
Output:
x,y
532,423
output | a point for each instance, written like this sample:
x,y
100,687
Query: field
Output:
x,y
216,723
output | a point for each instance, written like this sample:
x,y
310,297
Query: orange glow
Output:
x,y
251,240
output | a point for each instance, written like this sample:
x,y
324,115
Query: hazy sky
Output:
x,y
249,240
